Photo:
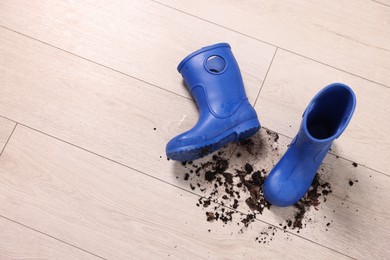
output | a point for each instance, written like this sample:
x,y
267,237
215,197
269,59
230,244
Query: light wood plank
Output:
x,y
285,96
140,38
18,242
90,106
6,127
116,212
352,36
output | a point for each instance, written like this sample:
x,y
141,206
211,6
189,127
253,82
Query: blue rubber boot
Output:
x,y
213,77
324,120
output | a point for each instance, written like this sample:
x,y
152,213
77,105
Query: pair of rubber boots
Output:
x,y
213,77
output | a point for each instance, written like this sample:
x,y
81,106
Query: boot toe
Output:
x,y
184,147
281,194
289,180
184,140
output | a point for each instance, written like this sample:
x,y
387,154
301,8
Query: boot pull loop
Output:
x,y
215,64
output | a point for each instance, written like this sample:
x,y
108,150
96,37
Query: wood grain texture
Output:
x,y
285,96
354,37
18,242
140,38
6,127
118,213
90,106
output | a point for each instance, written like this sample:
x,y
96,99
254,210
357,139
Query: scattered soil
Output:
x,y
273,135
248,144
351,182
233,180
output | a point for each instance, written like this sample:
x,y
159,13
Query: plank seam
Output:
x,y
94,62
380,3
9,137
265,77
42,132
52,237
271,44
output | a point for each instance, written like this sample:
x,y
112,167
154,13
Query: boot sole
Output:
x,y
234,134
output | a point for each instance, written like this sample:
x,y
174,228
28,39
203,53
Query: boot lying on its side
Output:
x,y
213,77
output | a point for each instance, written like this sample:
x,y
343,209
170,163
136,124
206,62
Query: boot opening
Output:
x,y
330,112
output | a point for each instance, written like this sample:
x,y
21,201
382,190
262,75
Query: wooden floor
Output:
x,y
90,95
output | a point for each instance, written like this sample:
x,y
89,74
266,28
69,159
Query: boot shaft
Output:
x,y
215,71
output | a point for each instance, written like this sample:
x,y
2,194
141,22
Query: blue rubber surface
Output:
x,y
324,120
213,77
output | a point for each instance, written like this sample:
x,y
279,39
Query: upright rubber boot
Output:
x,y
213,77
324,120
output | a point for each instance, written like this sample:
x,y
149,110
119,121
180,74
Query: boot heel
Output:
x,y
247,129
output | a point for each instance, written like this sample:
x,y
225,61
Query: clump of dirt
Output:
x,y
351,182
234,186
